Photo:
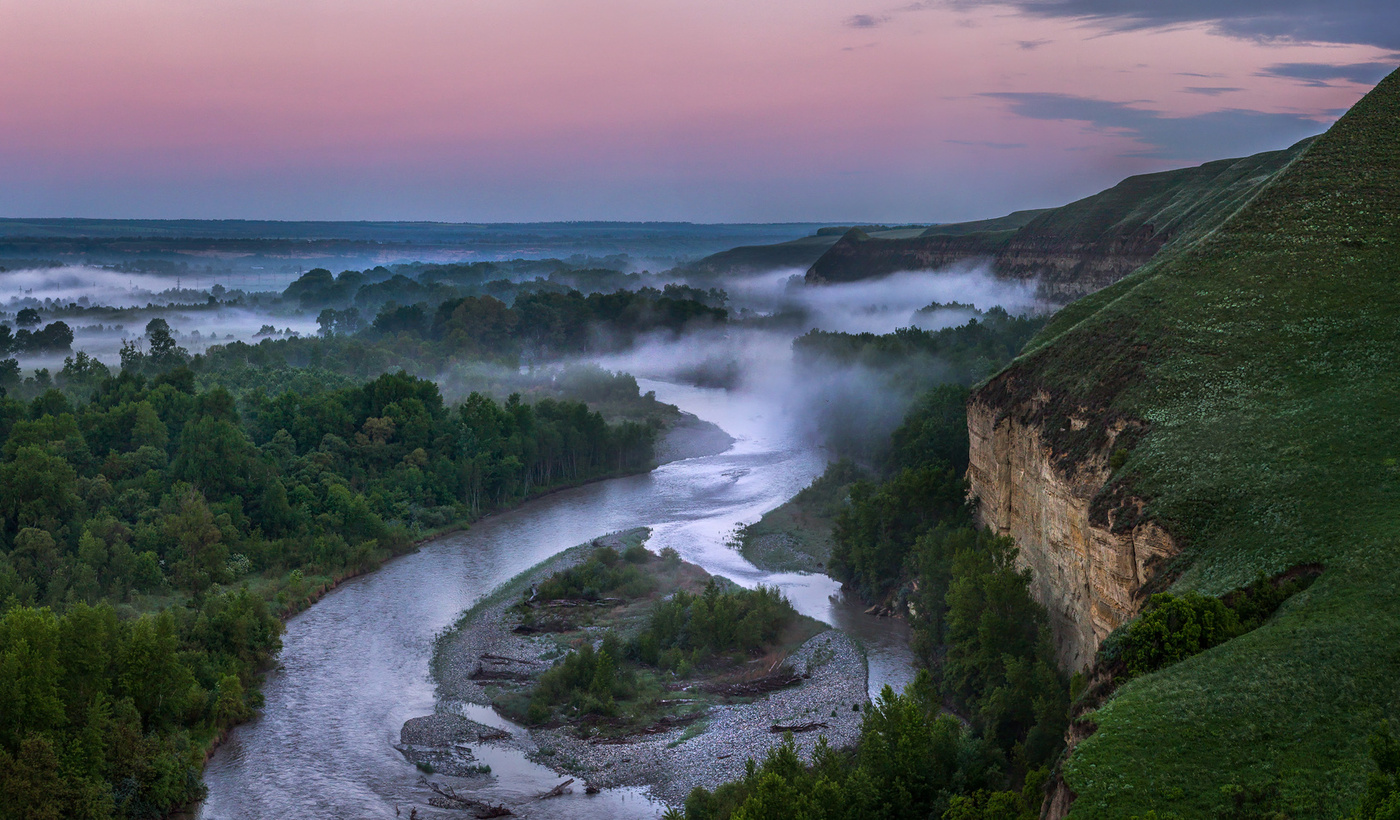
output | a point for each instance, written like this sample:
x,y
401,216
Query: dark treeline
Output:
x,y
920,359
54,337
544,325
868,381
151,529
461,310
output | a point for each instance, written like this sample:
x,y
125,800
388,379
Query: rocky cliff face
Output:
x,y
1088,569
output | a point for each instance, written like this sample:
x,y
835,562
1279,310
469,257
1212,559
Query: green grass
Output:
x,y
1265,361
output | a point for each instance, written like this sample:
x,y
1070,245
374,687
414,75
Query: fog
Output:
x,y
849,408
105,308
85,286
884,304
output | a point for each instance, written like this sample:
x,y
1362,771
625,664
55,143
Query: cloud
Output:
x,y
865,21
1032,45
1370,22
1211,90
1318,74
1231,132
985,144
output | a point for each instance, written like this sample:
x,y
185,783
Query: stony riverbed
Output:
x,y
707,752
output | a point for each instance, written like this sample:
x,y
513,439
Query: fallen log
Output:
x,y
448,798
494,674
562,788
796,728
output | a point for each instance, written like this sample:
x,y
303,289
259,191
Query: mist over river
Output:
x,y
354,667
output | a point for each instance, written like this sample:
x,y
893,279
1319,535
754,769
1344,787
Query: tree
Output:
x,y
162,353
28,317
37,489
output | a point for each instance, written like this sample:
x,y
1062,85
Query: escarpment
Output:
x,y
1089,565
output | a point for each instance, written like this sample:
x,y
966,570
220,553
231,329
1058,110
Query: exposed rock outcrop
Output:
x,y
1089,567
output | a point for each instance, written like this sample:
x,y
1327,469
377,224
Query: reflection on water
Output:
x,y
354,667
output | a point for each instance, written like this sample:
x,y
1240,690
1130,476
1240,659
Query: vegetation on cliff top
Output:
x,y
1263,361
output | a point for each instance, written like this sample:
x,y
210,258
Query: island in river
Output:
x,y
688,719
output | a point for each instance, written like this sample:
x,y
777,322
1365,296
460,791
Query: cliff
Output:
x,y
1088,570
1076,249
1224,411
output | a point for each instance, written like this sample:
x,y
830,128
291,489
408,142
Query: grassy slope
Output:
x,y
1012,221
1180,204
1265,360
1131,220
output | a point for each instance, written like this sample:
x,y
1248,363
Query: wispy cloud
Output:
x,y
1371,22
1211,90
1211,135
866,20
1032,45
1322,74
1004,146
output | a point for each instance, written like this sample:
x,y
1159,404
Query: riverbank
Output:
x,y
706,748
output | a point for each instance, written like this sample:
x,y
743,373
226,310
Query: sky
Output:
x,y
716,111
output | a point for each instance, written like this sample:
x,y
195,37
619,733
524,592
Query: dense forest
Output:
x,y
155,523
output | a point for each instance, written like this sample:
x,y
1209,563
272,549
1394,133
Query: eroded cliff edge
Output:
x,y
1090,561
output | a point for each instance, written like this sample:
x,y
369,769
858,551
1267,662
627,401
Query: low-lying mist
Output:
x,y
849,408
104,308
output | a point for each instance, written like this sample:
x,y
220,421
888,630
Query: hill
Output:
x,y
1080,247
1226,411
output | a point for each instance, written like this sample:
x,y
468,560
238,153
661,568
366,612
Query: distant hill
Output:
x,y
1078,248
1228,411
797,253
167,245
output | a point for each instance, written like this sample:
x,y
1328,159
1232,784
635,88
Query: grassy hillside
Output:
x,y
1080,247
1264,361
1012,221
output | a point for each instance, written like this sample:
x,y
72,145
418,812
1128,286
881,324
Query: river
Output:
x,y
354,666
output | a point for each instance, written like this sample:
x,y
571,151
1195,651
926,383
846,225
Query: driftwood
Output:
x,y
543,627
494,734
495,674
665,724
448,798
796,728
768,683
562,788
571,603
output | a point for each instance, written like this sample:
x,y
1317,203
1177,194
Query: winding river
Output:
x,y
354,667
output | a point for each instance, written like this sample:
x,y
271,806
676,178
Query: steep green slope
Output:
x,y
1080,247
1265,361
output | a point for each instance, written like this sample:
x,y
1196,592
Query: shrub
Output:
x,y
1174,628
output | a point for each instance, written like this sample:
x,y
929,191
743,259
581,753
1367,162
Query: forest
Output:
x,y
155,524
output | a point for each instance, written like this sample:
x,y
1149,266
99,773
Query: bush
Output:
x,y
1174,628
604,574
690,629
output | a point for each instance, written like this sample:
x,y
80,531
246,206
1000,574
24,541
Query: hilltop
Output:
x,y
1227,411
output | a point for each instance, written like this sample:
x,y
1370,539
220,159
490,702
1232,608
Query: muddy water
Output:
x,y
354,667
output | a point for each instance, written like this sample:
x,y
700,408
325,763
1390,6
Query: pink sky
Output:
x,y
487,110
